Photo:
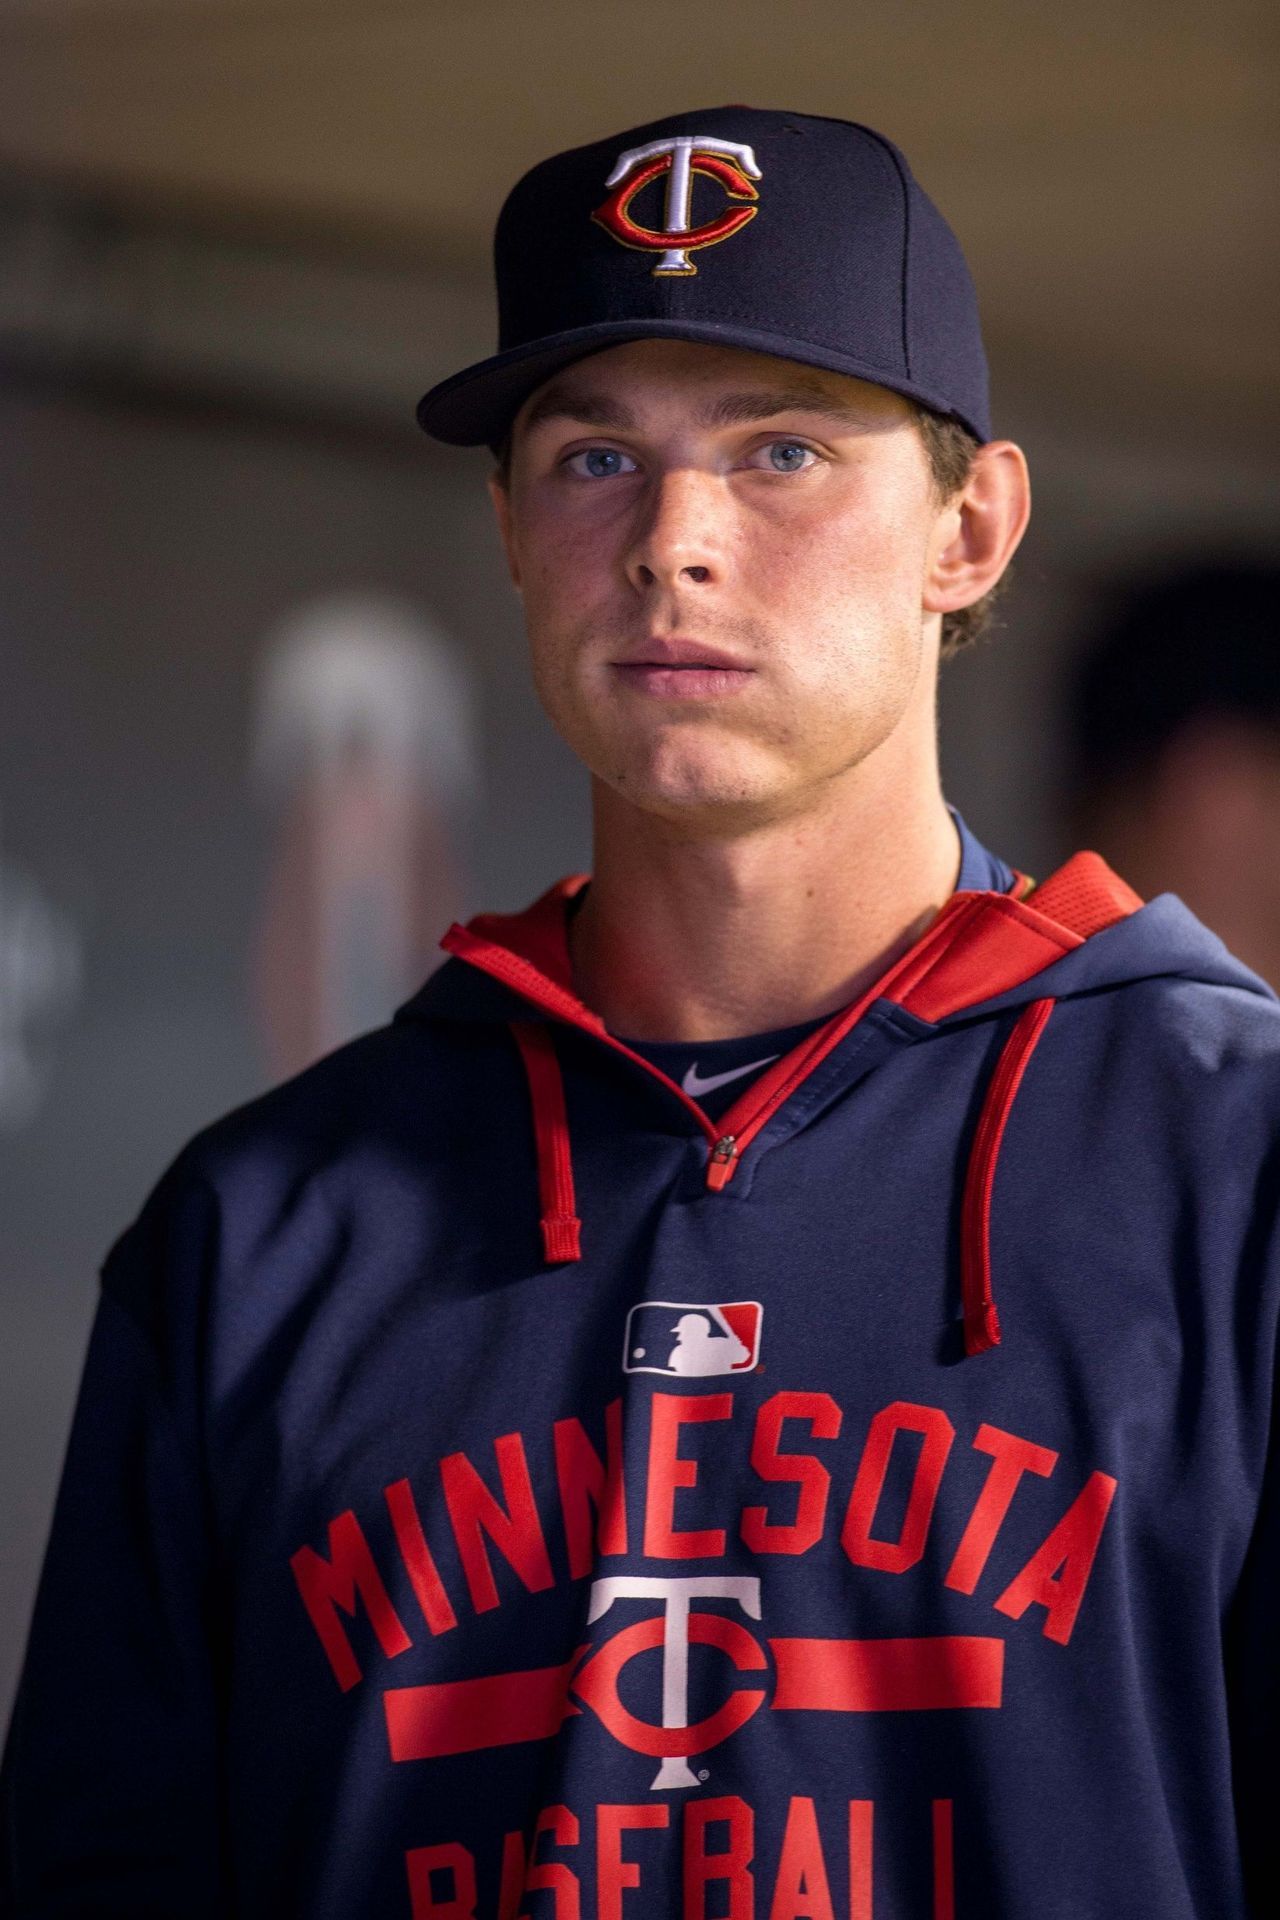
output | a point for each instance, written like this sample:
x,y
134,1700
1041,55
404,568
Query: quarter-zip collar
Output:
x,y
1006,958
979,945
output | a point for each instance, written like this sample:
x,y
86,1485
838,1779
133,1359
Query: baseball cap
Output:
x,y
791,234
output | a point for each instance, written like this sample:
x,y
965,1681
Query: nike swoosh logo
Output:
x,y
695,1083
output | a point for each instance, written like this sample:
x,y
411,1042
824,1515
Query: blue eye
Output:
x,y
790,448
602,463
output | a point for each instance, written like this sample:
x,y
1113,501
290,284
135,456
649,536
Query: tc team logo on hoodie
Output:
x,y
702,1338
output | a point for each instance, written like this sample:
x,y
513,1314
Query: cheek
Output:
x,y
566,609
853,645
564,574
869,549
851,595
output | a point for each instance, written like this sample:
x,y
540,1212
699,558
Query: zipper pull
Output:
x,y
724,1158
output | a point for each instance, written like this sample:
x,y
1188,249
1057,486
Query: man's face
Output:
x,y
670,501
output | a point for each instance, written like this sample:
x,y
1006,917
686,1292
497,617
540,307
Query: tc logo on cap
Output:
x,y
679,156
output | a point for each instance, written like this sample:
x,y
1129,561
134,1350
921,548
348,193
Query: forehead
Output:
x,y
722,385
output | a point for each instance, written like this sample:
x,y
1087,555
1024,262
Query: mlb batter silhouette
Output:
x,y
699,1350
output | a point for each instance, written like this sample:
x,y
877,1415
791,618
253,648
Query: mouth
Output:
x,y
674,649
682,670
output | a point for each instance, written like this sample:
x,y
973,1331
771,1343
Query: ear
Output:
x,y
501,499
976,533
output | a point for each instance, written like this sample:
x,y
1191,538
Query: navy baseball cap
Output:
x,y
788,233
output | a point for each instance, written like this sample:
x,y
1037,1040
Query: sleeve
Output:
x,y
1251,1639
1252,1656
109,1791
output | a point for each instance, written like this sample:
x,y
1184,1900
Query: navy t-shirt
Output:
x,y
715,1072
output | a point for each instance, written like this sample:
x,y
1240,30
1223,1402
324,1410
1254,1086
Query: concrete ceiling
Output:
x,y
1111,173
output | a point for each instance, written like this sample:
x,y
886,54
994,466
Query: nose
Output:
x,y
678,537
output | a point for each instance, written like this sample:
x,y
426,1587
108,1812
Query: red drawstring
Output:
x,y
560,1224
981,1321
561,1227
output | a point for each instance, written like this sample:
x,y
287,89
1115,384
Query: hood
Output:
x,y
986,955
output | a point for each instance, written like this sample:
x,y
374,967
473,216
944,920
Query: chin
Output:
x,y
707,793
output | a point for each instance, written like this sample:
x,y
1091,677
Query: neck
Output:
x,y
685,937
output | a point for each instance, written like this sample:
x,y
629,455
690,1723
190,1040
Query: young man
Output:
x,y
751,1394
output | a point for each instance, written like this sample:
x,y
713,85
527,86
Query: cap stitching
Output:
x,y
887,148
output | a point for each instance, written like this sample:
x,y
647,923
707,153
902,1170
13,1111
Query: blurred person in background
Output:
x,y
1173,744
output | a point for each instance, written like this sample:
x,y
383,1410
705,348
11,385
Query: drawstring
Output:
x,y
981,945
560,1223
561,1226
981,1321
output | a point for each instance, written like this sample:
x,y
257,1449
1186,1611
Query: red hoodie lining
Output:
x,y
516,972
759,1102
977,945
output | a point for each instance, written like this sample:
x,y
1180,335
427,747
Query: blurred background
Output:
x,y
265,721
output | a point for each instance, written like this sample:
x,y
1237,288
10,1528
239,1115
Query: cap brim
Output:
x,y
474,408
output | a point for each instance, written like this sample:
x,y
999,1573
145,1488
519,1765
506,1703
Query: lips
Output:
x,y
680,669
687,679
672,650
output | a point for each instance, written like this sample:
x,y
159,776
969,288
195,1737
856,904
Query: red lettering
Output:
x,y
1012,1458
347,1575
515,1530
801,1888
801,1891
669,1471
613,1873
861,1820
449,1857
511,1886
519,1878
895,1556
424,1575
798,1535
733,1866
583,1479
554,1875
1057,1574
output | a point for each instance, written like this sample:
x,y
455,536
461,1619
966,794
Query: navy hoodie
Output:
x,y
500,1489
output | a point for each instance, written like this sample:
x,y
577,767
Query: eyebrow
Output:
x,y
726,410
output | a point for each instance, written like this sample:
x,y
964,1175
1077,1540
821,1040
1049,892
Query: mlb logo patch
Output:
x,y
692,1337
